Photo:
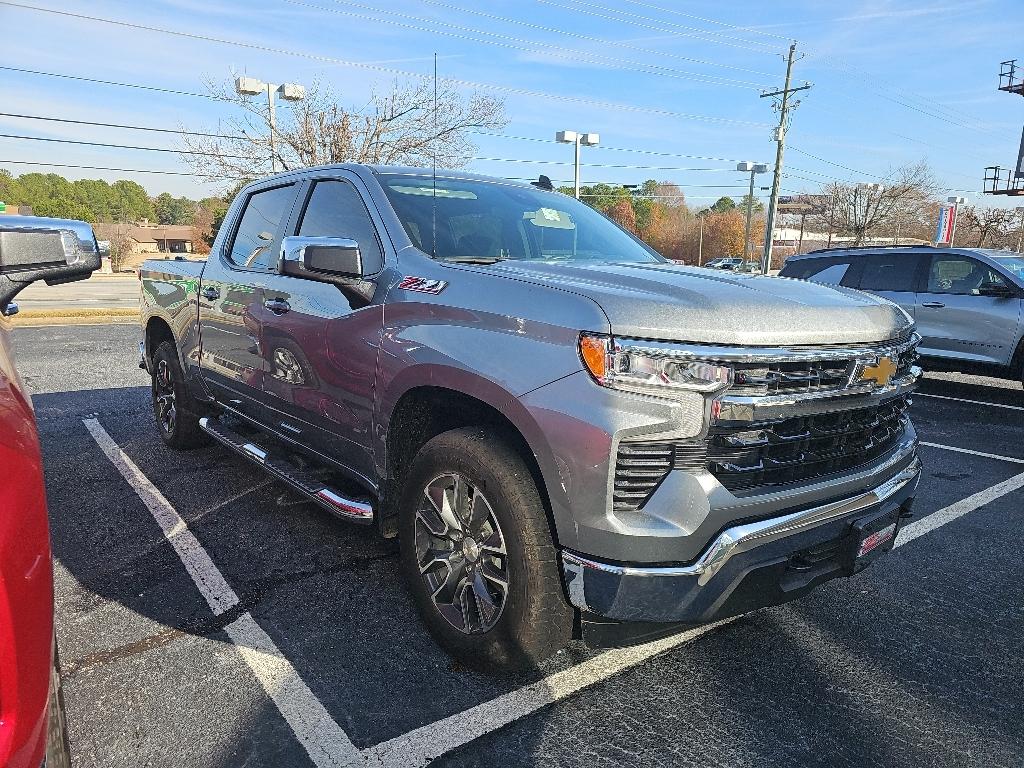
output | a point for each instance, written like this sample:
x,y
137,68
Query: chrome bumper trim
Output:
x,y
743,538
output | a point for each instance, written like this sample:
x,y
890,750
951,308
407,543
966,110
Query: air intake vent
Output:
x,y
641,466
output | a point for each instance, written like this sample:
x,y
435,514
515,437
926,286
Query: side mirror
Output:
x,y
996,290
320,258
36,248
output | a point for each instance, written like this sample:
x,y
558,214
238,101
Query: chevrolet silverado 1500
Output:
x,y
566,431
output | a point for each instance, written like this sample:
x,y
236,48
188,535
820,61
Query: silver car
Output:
x,y
966,302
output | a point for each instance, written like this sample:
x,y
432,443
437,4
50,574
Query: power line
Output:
x,y
108,82
590,38
123,146
387,70
528,46
600,165
674,12
829,162
118,170
122,125
637,20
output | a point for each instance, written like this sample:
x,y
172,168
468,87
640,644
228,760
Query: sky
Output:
x,y
672,86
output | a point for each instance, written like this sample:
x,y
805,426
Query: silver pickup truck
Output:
x,y
567,432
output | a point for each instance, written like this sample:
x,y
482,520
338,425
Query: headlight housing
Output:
x,y
657,369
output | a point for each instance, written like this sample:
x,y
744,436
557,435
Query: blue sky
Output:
x,y
894,82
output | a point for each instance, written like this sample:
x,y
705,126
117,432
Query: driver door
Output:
x,y
956,322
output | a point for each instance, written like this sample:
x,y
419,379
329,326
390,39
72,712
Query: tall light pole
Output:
x,y
752,168
578,139
250,86
957,202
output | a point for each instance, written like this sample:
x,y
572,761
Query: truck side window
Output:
x,y
889,272
959,275
831,275
255,242
335,209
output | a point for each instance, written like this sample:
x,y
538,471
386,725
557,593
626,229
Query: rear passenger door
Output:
x,y
893,276
956,322
231,297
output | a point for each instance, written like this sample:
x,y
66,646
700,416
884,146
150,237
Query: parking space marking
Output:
x,y
958,509
982,454
418,747
197,562
326,743
972,402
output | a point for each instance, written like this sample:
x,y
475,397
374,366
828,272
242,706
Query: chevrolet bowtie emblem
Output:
x,y
881,372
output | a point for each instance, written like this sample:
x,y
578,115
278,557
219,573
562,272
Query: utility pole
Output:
x,y
752,168
780,138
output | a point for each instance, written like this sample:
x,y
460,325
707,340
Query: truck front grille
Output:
x,y
804,448
766,454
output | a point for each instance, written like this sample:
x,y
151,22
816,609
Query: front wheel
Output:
x,y
478,555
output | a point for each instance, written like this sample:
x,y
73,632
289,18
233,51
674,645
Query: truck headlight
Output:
x,y
634,366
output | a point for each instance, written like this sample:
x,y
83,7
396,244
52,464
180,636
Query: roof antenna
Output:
x,y
433,171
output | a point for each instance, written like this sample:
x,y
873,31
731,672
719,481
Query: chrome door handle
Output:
x,y
210,294
933,304
277,306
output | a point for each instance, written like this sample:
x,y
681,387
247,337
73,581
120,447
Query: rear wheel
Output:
x,y
478,555
176,412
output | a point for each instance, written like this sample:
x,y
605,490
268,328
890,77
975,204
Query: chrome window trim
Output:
x,y
743,538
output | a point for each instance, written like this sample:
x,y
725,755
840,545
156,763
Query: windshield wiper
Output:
x,y
475,259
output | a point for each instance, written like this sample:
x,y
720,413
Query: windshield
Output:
x,y
484,220
1011,261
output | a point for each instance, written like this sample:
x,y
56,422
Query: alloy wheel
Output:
x,y
166,412
460,552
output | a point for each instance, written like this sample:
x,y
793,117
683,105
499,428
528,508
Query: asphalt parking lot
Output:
x,y
300,646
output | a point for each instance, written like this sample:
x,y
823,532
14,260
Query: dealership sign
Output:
x,y
944,232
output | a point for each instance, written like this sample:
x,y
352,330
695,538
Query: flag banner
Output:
x,y
944,232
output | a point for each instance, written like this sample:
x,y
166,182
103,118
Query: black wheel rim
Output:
x,y
460,553
163,397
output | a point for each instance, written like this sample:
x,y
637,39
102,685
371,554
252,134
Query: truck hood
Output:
x,y
678,303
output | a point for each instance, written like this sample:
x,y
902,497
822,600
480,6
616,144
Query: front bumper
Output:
x,y
747,566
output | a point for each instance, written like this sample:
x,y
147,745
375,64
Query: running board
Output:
x,y
303,481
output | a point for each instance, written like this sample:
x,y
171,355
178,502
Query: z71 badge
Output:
x,y
423,285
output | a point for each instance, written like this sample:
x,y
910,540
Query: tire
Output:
x,y
502,534
176,412
58,746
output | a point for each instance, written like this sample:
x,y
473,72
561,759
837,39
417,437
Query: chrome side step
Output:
x,y
302,481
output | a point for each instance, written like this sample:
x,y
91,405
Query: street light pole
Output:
x,y
957,202
753,168
250,86
578,139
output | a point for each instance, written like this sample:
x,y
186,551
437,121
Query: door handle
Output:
x,y
277,306
210,294
933,304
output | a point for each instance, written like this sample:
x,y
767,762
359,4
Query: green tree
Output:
x,y
174,210
742,205
95,195
130,202
723,205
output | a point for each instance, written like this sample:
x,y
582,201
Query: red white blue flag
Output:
x,y
944,232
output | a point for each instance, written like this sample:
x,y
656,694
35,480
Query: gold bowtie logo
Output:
x,y
881,372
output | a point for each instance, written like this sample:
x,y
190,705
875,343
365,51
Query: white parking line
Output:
x,y
323,739
972,402
973,453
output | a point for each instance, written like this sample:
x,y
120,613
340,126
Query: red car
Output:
x,y
32,725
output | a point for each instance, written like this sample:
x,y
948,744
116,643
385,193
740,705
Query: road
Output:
x,y
94,293
917,661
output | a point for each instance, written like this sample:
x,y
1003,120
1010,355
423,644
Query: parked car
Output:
x,y
563,429
725,262
32,723
966,302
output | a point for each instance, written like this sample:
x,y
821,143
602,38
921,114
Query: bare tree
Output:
x,y
400,127
986,222
861,209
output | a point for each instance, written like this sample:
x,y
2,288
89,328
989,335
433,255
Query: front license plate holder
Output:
x,y
871,537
